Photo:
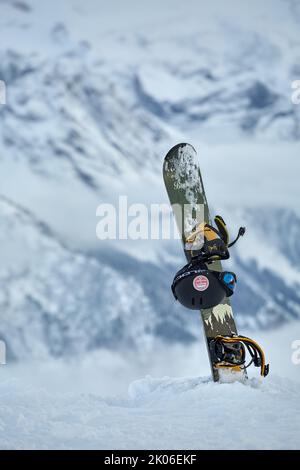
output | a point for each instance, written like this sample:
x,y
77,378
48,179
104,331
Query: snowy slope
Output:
x,y
190,413
56,301
104,401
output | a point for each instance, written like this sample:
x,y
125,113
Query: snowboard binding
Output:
x,y
229,352
196,286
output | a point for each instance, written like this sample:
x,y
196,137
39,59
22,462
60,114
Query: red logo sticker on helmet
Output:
x,y
200,283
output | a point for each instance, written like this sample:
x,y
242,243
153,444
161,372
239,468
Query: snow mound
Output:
x,y
167,413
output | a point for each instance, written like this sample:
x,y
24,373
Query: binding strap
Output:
x,y
223,232
256,352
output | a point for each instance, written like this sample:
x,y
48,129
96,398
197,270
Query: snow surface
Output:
x,y
165,413
105,401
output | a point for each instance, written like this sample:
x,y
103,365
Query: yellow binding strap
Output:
x,y
204,230
243,339
219,221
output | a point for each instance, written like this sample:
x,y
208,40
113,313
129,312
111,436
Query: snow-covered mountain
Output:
x,y
96,95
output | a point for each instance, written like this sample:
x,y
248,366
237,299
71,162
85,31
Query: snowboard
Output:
x,y
184,185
